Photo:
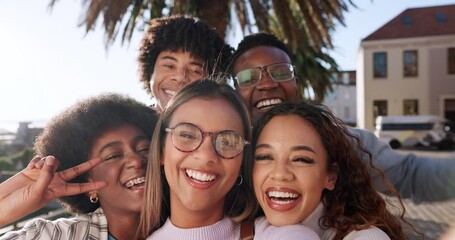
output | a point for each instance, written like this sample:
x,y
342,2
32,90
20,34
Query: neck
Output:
x,y
122,227
194,219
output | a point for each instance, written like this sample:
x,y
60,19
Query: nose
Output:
x,y
206,151
135,160
266,82
281,172
181,77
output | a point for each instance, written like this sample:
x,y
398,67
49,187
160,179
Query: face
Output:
x,y
172,71
267,92
124,151
199,180
290,170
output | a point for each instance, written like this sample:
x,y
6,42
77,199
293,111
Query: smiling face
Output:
x,y
267,92
124,151
172,71
199,180
290,170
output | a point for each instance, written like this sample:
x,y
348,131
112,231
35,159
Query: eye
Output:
x,y
169,66
263,157
195,72
187,135
302,160
113,156
143,150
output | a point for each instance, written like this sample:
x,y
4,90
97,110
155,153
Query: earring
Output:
x,y
94,197
239,182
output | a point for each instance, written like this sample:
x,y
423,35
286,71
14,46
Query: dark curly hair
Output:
x,y
256,40
179,32
70,135
353,204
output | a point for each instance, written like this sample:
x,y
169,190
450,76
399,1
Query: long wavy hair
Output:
x,y
353,204
239,202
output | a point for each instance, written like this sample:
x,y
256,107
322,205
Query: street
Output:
x,y
432,219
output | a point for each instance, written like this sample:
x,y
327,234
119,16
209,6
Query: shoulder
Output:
x,y
372,233
63,228
264,231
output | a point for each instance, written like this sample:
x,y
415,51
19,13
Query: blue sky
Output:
x,y
47,63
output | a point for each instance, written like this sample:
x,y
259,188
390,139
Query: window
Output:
x,y
380,65
379,109
406,20
411,107
451,60
410,63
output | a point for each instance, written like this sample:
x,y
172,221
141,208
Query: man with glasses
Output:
x,y
264,76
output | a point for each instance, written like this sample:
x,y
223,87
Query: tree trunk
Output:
x,y
215,13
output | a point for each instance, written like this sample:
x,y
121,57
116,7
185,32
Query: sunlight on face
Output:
x,y
290,170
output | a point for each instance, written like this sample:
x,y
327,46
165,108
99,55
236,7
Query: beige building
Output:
x,y
407,67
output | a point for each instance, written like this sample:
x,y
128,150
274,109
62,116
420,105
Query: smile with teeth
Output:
x,y
135,181
268,103
199,176
282,197
170,92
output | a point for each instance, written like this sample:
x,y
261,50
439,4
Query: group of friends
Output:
x,y
215,161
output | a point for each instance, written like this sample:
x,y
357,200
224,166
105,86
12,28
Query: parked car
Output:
x,y
415,131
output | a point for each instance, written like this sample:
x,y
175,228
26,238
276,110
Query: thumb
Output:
x,y
46,174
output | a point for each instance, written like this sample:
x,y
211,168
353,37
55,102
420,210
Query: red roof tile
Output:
x,y
418,22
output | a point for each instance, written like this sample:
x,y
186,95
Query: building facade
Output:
x,y
342,99
407,67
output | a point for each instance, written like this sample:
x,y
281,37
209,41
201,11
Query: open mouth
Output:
x,y
200,176
170,93
268,103
135,183
282,198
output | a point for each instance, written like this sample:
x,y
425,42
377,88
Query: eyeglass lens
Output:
x,y
279,72
187,137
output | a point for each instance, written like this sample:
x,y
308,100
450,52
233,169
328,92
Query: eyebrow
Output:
x,y
116,143
175,59
295,148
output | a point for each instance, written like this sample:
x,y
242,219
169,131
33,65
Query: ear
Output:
x,y
332,177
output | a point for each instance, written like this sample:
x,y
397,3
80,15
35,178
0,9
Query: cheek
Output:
x,y
245,94
292,90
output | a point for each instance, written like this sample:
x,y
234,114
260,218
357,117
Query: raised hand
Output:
x,y
38,184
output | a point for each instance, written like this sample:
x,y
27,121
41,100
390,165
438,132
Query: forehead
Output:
x,y
210,114
291,130
260,56
178,55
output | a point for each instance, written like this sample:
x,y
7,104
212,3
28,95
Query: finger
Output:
x,y
78,188
33,162
40,163
73,172
46,174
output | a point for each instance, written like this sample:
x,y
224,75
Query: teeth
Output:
x,y
268,103
276,194
170,92
135,181
203,177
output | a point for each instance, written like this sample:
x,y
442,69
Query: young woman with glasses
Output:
x,y
203,135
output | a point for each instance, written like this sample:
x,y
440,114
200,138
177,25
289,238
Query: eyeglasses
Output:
x,y
187,137
279,72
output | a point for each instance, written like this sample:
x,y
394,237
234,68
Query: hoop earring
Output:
x,y
94,197
239,181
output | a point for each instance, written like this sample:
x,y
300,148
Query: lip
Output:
x,y
199,184
284,205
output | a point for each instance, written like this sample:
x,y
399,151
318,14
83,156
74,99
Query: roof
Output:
x,y
418,22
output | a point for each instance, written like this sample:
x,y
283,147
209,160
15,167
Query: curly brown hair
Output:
x,y
174,33
353,204
70,135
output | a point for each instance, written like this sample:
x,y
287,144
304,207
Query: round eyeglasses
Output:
x,y
187,137
278,72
